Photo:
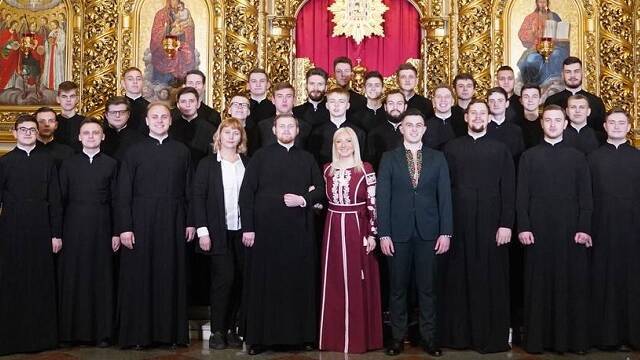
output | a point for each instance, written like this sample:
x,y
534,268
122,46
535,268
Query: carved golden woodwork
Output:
x,y
242,44
636,60
473,35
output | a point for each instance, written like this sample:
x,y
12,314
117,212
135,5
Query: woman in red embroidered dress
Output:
x,y
350,319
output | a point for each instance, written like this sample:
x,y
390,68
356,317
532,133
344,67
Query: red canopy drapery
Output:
x,y
401,40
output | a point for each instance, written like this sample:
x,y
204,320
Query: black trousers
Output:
x,y
418,256
226,284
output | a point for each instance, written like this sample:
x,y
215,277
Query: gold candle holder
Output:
x,y
545,47
170,44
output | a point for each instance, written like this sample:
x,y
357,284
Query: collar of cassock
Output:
x,y
27,149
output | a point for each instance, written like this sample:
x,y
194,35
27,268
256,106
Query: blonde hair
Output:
x,y
357,159
236,125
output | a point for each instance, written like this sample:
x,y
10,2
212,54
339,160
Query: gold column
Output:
x,y
279,48
636,110
98,64
436,53
474,40
241,51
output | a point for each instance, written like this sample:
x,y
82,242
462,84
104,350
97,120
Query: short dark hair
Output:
x,y
117,100
342,60
196,72
554,107
572,60
413,112
530,86
67,86
497,90
90,120
393,92
257,70
283,85
42,110
617,110
287,115
443,86
373,74
504,68
464,76
316,71
406,66
23,118
186,90
476,101
577,97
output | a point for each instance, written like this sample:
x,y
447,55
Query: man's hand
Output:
x,y
205,243
56,245
115,243
128,239
371,244
583,239
189,233
293,200
248,238
442,244
386,245
526,238
503,236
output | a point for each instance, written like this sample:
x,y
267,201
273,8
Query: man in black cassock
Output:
x,y
439,127
386,136
578,134
68,119
86,297
506,80
119,136
284,96
373,113
615,170
499,128
554,208
280,185
343,71
572,76
258,86
465,88
188,127
529,120
47,125
314,111
476,298
132,83
152,220
197,80
320,142
407,77
30,228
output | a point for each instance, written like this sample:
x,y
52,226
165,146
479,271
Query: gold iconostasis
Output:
x,y
92,41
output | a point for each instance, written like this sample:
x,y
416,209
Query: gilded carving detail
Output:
x,y
474,30
241,19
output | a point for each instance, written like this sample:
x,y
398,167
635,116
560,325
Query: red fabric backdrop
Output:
x,y
314,27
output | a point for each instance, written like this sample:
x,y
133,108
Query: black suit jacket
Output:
x,y
208,203
401,208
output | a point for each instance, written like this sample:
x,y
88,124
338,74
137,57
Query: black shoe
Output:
x,y
255,349
216,341
432,350
138,348
395,348
104,343
308,347
234,340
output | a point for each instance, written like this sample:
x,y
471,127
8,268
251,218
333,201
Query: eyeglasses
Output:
x,y
118,112
240,105
27,131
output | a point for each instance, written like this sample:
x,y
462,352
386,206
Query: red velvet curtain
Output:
x,y
401,40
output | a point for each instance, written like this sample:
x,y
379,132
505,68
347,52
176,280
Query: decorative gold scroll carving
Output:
x,y
279,48
436,50
636,110
474,39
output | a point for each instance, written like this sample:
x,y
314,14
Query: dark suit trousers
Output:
x,y
226,284
417,255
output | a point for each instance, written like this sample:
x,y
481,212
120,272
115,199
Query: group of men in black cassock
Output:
x,y
544,245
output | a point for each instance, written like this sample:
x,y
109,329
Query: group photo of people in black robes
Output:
x,y
349,223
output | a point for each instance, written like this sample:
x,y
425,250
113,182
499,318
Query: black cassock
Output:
x,y
58,151
585,140
281,284
321,140
554,202
138,115
616,246
68,131
116,143
85,264
476,297
153,188
31,215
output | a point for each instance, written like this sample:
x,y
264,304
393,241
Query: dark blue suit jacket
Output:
x,y
401,208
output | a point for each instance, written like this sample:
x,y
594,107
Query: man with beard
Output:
x,y
197,80
314,111
132,83
118,135
615,170
572,76
465,87
373,114
407,77
343,70
280,185
321,139
188,127
439,127
47,125
258,86
507,81
578,134
499,128
386,136
283,99
529,120
554,207
476,298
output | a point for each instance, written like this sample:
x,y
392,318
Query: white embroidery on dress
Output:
x,y
340,188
